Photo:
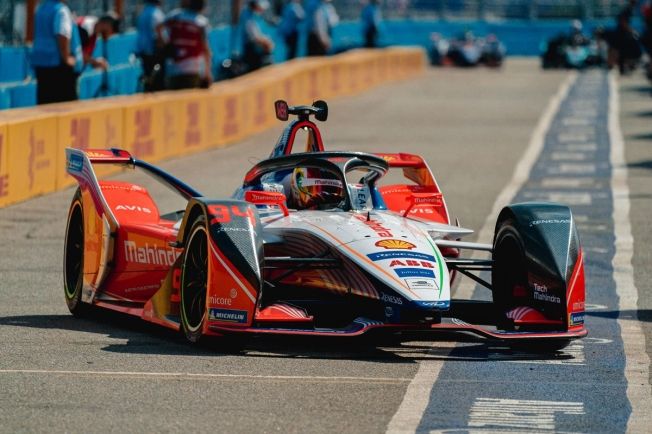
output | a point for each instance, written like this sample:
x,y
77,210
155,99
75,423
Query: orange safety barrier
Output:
x,y
170,124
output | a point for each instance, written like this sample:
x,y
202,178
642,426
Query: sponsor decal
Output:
x,y
214,300
141,288
152,255
228,229
576,318
401,254
228,315
410,263
419,211
375,226
142,209
433,304
541,294
549,221
414,272
387,298
75,163
395,244
415,283
578,305
321,181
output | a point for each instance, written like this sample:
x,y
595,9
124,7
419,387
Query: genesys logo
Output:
x,y
135,208
387,298
228,315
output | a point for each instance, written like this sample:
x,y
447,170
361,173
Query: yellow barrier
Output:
x,y
169,124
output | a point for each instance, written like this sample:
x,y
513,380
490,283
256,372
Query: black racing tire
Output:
x,y
73,258
509,270
194,281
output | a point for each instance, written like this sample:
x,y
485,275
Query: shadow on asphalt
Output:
x,y
641,136
637,89
644,114
645,164
643,315
406,348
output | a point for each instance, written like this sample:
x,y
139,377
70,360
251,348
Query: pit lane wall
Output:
x,y
155,127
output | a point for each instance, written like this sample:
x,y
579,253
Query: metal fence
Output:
x,y
12,12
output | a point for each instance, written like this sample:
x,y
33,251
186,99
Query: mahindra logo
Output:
x,y
152,255
133,208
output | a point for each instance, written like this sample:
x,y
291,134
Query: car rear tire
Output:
x,y
73,258
194,282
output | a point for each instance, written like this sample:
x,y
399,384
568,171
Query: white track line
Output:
x,y
190,375
637,361
521,174
414,404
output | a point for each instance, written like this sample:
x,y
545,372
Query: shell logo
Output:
x,y
395,244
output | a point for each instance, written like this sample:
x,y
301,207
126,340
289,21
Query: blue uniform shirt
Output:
x,y
291,17
311,7
370,17
53,18
146,24
248,27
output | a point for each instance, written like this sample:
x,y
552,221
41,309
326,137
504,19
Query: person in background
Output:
x,y
371,19
646,38
291,18
189,63
256,47
149,30
89,29
56,53
323,20
624,49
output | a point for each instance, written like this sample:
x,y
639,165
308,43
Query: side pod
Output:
x,y
235,258
538,265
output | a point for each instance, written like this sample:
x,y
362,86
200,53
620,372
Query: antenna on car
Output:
x,y
318,108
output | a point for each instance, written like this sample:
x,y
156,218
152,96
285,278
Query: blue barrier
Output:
x,y
5,98
14,64
23,94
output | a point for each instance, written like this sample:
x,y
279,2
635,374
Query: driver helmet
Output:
x,y
313,188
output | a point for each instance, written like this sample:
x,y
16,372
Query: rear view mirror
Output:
x,y
416,199
322,112
281,108
269,198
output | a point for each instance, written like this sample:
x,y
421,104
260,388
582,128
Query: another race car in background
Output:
x,y
574,49
466,50
316,243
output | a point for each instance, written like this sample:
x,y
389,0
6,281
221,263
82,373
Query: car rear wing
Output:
x,y
414,167
79,164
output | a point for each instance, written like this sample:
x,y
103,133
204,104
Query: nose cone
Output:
x,y
411,266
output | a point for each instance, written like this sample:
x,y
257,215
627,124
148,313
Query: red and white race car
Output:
x,y
316,243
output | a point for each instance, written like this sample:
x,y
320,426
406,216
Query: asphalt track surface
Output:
x,y
476,128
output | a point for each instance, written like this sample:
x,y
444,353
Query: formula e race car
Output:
x,y
316,243
466,50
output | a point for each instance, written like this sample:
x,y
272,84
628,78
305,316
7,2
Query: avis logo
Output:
x,y
142,209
